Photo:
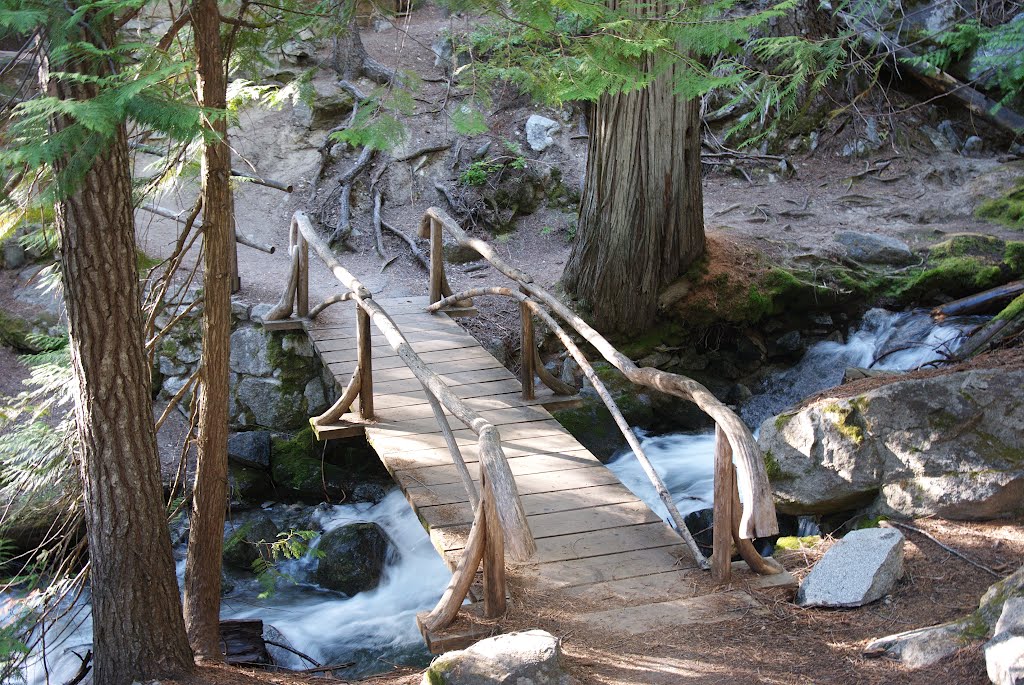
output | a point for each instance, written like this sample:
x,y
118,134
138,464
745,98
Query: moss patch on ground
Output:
x,y
962,265
1007,209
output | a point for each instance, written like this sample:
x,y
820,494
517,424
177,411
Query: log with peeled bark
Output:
x,y
980,303
1004,326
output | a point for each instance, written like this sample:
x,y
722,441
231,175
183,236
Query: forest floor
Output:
x,y
778,643
917,193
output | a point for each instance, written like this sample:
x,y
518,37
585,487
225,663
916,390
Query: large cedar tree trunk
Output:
x,y
641,218
138,633
209,495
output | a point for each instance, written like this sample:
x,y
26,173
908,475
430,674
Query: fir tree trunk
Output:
x,y
209,495
138,633
641,218
349,53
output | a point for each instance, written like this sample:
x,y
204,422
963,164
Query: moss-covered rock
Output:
x,y
1007,209
248,542
299,472
353,558
912,447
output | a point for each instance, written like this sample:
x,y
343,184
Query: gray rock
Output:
x,y
856,373
189,354
874,249
13,255
259,311
249,541
270,403
570,372
790,345
539,132
950,134
1004,653
169,368
973,147
921,647
249,352
240,310
251,448
47,302
926,646
857,570
172,385
353,558
297,345
445,57
316,401
532,657
937,139
917,447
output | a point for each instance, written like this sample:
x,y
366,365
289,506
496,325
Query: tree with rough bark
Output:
x,y
83,160
209,493
641,218
642,68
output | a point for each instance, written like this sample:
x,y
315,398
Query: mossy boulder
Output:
x,y
353,558
948,446
245,543
592,424
299,472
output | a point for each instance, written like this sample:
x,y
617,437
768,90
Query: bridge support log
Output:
x,y
365,362
725,485
494,556
527,348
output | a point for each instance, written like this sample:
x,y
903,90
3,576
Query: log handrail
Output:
x,y
499,520
755,517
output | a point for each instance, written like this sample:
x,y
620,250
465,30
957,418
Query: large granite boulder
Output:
x,y
859,569
528,658
950,445
353,558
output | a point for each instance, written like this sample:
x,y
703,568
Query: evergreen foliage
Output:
x,y
1001,60
561,51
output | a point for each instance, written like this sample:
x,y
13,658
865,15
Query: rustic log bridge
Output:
x,y
500,521
758,512
529,307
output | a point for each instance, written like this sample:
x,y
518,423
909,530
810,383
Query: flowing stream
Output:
x,y
893,341
377,628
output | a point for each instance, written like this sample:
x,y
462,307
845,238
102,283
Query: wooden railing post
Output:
x,y
365,363
436,261
725,485
494,555
302,286
527,343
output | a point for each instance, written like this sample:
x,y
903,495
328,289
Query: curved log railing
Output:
x,y
499,522
743,507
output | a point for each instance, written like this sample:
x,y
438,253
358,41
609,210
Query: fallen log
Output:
x,y
936,79
980,303
1005,325
177,216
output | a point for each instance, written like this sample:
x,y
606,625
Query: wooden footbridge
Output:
x,y
511,478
